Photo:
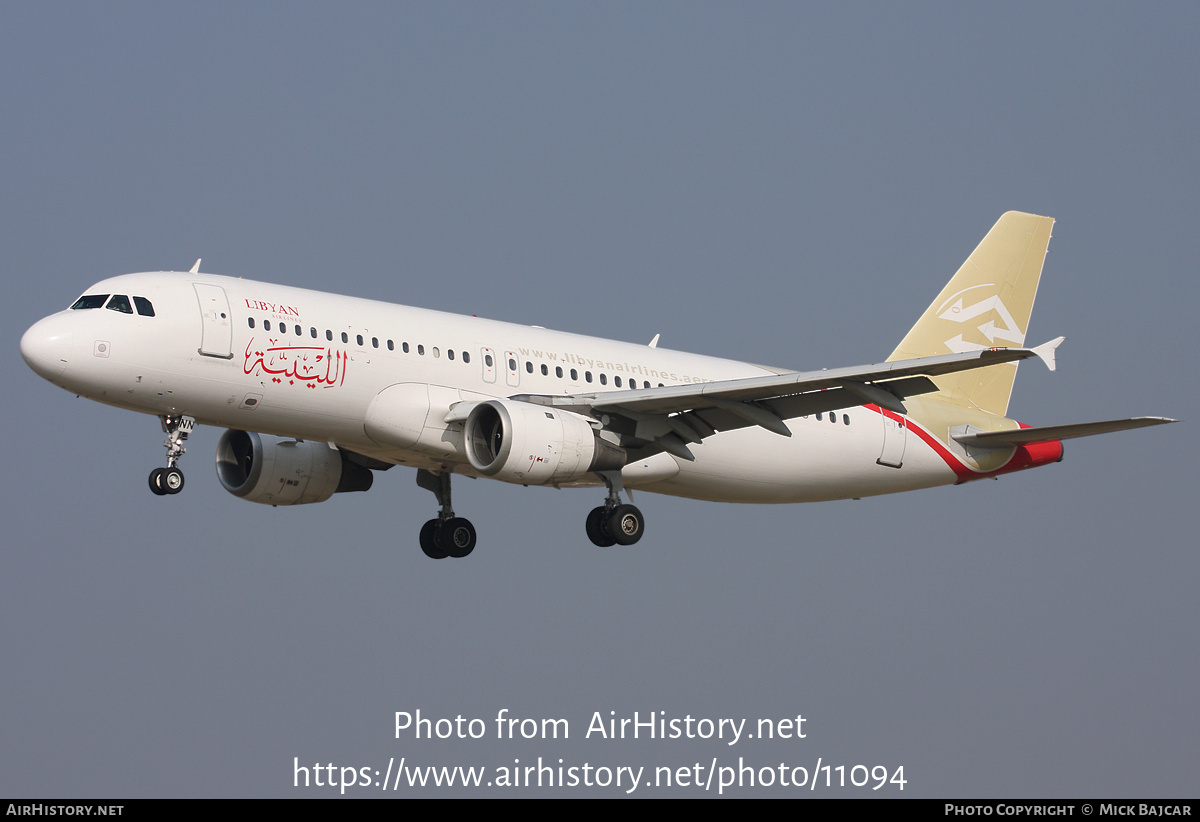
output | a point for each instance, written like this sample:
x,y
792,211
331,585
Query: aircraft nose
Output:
x,y
46,346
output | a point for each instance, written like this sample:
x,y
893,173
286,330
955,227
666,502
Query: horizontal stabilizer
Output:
x,y
1025,436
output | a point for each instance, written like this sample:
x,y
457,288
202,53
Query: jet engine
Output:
x,y
535,445
275,471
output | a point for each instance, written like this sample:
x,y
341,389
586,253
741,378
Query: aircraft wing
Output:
x,y
667,418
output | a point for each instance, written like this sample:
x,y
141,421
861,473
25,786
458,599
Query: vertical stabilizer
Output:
x,y
986,305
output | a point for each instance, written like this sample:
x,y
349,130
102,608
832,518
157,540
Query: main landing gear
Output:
x,y
169,480
446,535
614,523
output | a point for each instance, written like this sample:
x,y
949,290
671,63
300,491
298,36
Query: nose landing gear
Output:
x,y
169,480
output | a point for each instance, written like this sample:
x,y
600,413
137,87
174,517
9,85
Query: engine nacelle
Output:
x,y
535,445
275,471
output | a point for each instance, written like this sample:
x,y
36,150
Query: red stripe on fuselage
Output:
x,y
1024,456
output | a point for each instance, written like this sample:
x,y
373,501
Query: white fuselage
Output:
x,y
305,364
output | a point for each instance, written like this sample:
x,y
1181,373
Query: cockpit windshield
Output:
x,y
120,302
90,301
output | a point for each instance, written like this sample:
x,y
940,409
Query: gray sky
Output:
x,y
778,183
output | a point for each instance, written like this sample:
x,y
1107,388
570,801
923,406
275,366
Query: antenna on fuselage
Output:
x,y
654,342
196,268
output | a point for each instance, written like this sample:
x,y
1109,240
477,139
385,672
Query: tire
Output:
x,y
626,524
457,537
429,542
171,480
597,528
156,482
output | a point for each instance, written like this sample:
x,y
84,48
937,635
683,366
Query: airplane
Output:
x,y
317,391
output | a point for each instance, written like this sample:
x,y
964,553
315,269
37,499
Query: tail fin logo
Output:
x,y
953,310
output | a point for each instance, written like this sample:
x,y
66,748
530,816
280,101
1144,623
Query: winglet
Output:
x,y
196,268
1045,351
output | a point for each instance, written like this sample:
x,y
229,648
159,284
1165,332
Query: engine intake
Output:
x,y
275,471
535,445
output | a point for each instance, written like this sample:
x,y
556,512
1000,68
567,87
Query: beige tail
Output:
x,y
986,305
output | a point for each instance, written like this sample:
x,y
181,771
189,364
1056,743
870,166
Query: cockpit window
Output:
x,y
120,302
143,306
90,301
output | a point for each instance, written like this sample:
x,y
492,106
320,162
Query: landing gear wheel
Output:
x,y
457,536
597,528
626,524
429,541
156,481
171,480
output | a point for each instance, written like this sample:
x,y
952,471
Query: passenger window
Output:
x,y
266,325
404,347
143,306
819,417
359,338
345,337
574,375
437,352
90,301
374,342
250,320
603,379
313,333
421,350
487,360
845,419
120,302
512,364
328,335
528,367
587,375
466,357
617,382
450,353
558,371
545,371
391,346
